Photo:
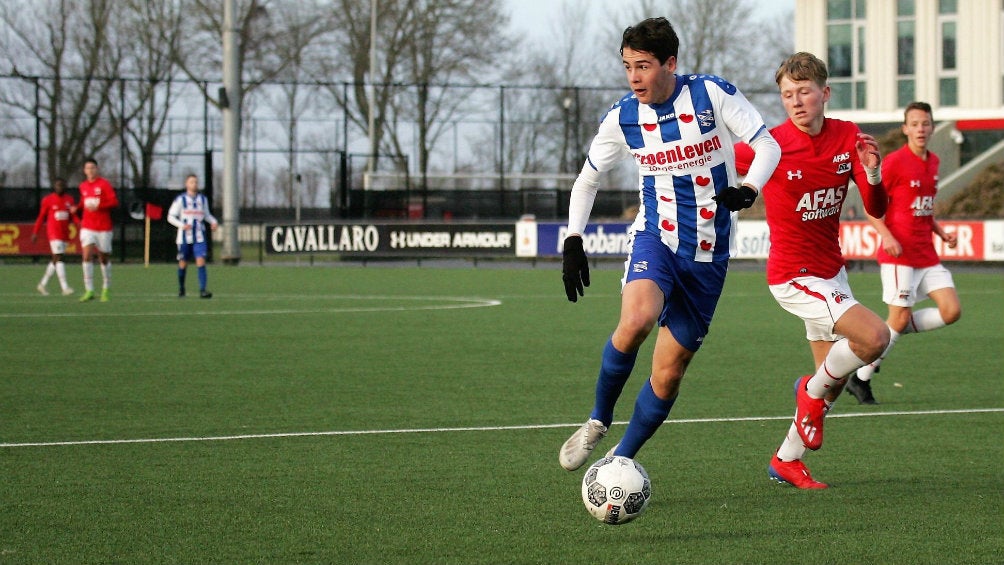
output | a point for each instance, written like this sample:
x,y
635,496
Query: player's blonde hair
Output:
x,y
802,66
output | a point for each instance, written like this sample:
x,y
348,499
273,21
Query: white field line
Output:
x,y
446,303
476,428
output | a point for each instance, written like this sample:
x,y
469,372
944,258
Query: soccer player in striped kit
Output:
x,y
681,131
190,213
910,266
806,273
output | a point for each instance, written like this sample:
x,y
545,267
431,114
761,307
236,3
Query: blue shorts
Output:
x,y
191,251
691,288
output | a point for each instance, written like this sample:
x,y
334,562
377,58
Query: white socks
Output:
x,y
792,447
61,274
923,320
88,276
839,363
106,274
50,270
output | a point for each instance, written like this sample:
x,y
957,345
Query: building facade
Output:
x,y
883,54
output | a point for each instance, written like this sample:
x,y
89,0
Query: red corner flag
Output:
x,y
154,212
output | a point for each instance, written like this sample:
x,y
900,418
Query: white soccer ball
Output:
x,y
616,490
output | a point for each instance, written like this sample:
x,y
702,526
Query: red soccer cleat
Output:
x,y
809,413
793,473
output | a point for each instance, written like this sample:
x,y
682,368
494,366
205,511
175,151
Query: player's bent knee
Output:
x,y
951,314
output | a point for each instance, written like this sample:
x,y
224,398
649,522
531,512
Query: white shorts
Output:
x,y
100,239
905,286
57,246
818,302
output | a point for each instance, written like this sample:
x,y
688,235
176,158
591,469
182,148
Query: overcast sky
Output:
x,y
534,15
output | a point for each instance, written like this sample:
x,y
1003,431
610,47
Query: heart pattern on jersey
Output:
x,y
702,181
707,214
649,127
686,118
665,199
705,245
668,226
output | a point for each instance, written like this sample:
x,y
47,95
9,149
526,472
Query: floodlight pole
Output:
x,y
230,103
371,163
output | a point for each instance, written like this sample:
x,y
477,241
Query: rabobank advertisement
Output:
x,y
600,240
977,240
611,240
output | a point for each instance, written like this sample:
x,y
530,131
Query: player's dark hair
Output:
x,y
91,160
655,36
802,66
922,106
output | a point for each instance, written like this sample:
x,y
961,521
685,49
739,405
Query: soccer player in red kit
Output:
x,y
97,200
910,266
56,212
805,267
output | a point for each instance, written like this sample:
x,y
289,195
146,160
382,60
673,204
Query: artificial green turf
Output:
x,y
346,363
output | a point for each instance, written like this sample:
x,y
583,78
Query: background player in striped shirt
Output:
x,y
910,266
97,200
806,273
681,131
56,212
190,213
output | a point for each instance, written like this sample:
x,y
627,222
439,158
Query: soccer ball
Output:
x,y
616,490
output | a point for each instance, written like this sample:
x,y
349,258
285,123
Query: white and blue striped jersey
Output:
x,y
193,211
684,150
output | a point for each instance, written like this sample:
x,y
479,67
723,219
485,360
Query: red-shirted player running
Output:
x,y
56,211
97,200
805,267
910,266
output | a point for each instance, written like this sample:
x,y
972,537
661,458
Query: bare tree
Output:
x,y
305,23
146,102
199,54
422,47
451,41
351,58
63,47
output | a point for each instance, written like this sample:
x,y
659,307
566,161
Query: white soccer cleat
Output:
x,y
41,290
67,291
576,450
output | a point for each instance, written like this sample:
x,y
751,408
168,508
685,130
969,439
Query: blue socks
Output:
x,y
615,368
202,278
650,412
181,279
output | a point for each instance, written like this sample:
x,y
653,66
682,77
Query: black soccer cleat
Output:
x,y
862,390
205,294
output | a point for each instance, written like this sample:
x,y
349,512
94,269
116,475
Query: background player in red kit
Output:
x,y
97,200
56,212
910,266
805,267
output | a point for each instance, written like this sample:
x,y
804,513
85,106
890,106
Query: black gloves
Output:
x,y
736,199
574,267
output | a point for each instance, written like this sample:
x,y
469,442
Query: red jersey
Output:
x,y
912,184
98,192
805,195
55,213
